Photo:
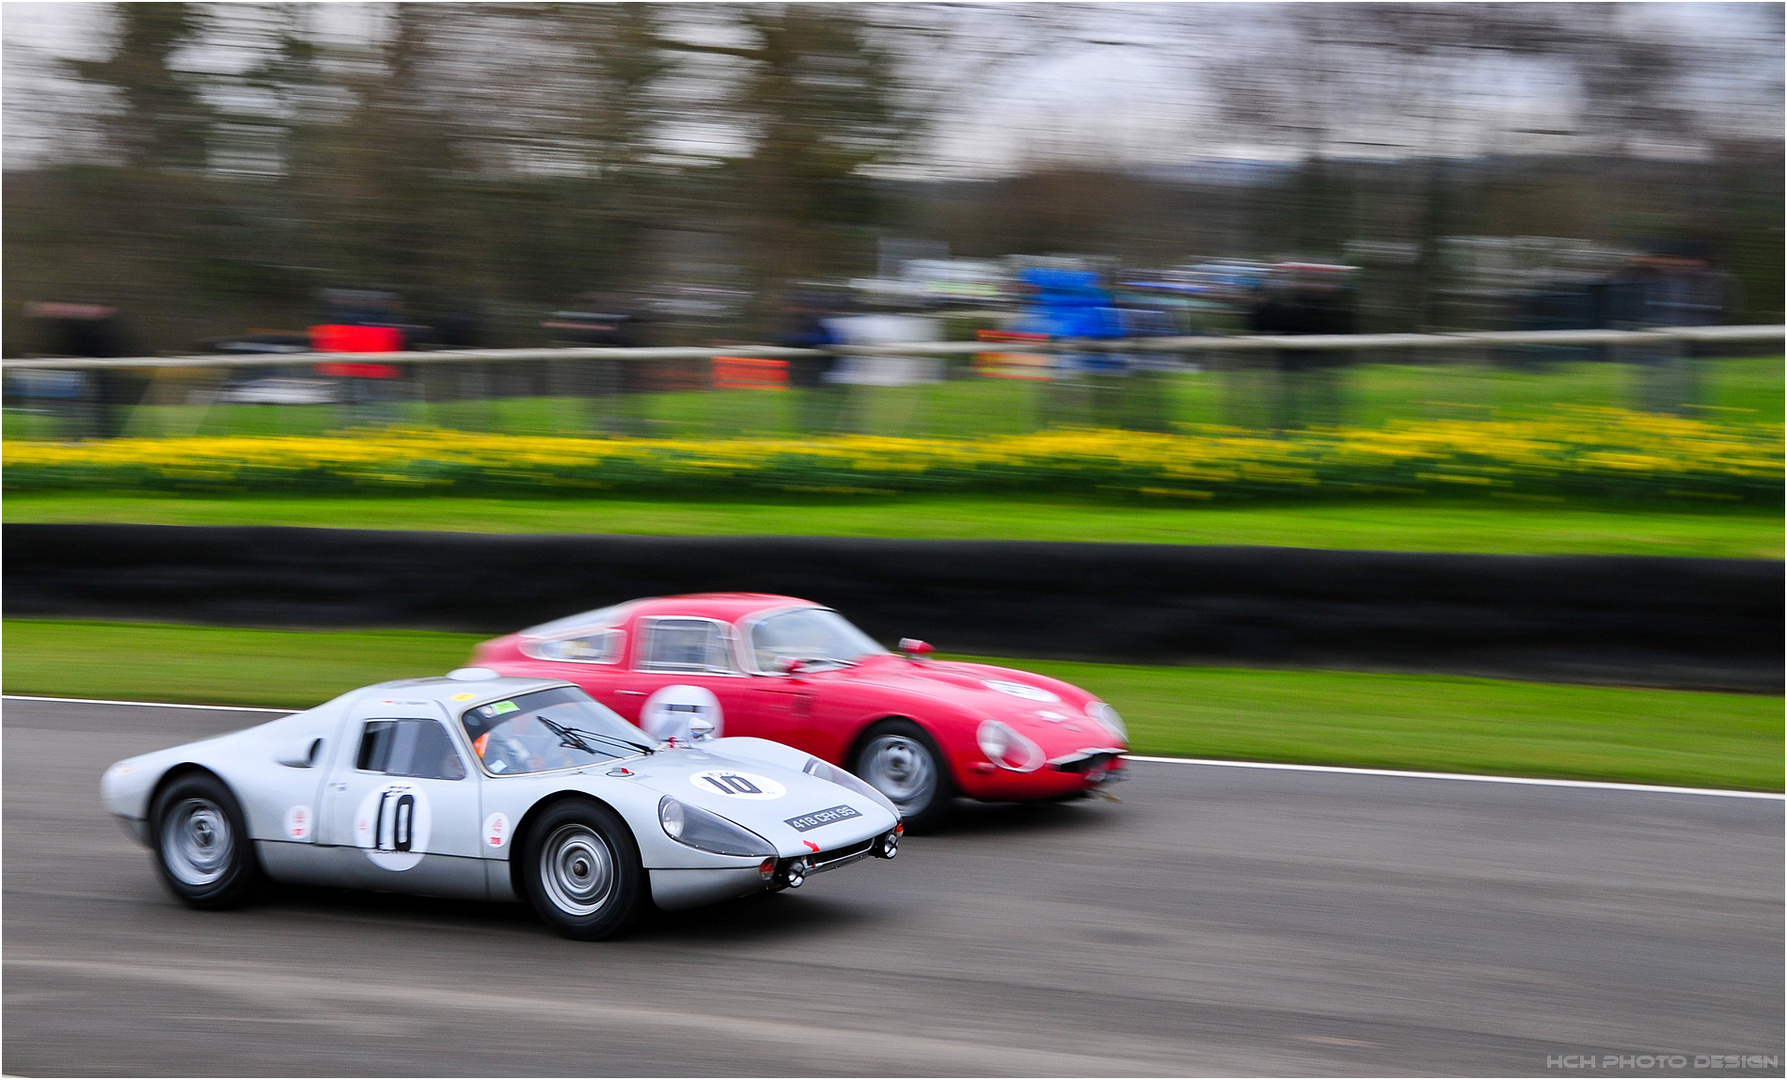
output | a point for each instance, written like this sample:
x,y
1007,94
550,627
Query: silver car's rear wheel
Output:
x,y
196,842
577,869
900,760
201,842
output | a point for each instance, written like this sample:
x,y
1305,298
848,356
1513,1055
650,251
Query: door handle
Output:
x,y
631,693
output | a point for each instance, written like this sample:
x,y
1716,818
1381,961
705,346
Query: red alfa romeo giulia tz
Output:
x,y
921,731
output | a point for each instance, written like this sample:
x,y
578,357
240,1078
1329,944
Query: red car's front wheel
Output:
x,y
901,761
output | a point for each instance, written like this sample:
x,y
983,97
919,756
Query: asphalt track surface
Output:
x,y
1220,920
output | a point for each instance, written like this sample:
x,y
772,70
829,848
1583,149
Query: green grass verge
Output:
x,y
1444,723
1426,525
1313,717
214,665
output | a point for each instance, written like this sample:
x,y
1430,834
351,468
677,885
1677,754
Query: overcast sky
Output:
x,y
1118,83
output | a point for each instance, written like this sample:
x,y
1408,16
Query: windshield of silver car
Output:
x,y
809,634
561,728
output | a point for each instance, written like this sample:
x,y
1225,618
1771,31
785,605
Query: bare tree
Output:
x,y
163,120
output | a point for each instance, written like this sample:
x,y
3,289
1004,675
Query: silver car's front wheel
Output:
x,y
899,760
579,866
577,869
201,842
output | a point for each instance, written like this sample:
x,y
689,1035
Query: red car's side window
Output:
x,y
596,647
683,646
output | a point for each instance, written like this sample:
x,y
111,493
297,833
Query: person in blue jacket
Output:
x,y
1073,304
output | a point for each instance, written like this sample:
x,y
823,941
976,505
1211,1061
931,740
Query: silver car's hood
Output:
x,y
792,809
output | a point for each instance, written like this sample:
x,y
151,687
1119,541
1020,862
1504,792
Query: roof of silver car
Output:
x,y
454,692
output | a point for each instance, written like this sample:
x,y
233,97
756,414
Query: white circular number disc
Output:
x,y
671,712
1018,689
496,830
392,825
737,785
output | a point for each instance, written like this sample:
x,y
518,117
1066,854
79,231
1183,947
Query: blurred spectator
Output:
x,y
1671,284
1074,304
820,402
363,321
1299,299
102,399
603,321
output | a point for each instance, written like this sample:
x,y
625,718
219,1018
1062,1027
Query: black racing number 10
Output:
x,y
403,819
733,784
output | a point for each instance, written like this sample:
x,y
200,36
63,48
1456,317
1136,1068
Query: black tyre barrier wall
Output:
x,y
1711,623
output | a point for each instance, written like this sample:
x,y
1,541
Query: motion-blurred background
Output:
x,y
211,170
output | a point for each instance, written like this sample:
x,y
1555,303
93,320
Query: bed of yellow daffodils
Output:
x,y
1589,453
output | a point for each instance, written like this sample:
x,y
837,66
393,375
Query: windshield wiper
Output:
x,y
574,738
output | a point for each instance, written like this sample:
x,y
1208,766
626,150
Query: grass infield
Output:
x,y
1423,722
1426,525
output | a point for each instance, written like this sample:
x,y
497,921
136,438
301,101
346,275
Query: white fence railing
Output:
x,y
1433,347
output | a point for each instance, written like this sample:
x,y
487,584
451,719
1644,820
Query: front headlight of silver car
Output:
x,y
1107,716
826,771
697,828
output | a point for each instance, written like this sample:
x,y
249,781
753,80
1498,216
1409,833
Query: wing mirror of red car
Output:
x,y
914,649
791,665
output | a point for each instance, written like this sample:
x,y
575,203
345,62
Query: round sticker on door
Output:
x,y
496,830
738,785
1018,689
392,825
684,713
297,823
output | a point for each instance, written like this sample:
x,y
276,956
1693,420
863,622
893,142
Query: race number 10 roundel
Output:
x,y
737,785
392,825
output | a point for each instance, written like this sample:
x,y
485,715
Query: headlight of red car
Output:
x,y
1107,716
1007,748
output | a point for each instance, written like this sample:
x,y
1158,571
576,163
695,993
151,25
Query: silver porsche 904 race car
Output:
x,y
482,787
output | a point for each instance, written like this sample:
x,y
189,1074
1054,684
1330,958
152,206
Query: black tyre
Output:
x,y
580,869
901,760
201,843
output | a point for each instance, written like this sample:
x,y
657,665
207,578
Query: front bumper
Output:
x,y
1060,777
1097,765
790,871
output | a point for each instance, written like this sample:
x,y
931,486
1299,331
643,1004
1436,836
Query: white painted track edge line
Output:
x,y
146,704
1534,781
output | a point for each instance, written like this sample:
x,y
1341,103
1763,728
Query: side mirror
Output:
x,y
791,665
700,729
301,753
914,649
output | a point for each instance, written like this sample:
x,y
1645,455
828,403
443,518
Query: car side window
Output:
x,y
418,748
685,645
597,647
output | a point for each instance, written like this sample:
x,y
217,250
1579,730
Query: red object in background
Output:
x,y
330,338
749,373
1054,739
1012,365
